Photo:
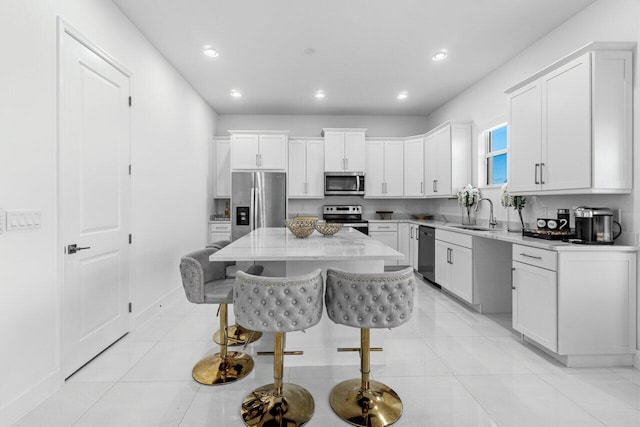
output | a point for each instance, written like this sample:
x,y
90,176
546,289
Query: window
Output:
x,y
496,155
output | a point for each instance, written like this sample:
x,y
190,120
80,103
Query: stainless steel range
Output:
x,y
347,215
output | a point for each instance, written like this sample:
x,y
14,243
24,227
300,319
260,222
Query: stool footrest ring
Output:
x,y
286,353
341,349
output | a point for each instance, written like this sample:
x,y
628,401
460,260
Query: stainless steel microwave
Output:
x,y
344,183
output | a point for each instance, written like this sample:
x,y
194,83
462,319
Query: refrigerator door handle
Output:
x,y
252,208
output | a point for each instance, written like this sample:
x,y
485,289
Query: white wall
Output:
x,y
171,128
604,20
312,125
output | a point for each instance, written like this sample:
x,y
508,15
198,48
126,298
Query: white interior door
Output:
x,y
94,202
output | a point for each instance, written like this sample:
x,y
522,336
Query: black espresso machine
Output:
x,y
594,226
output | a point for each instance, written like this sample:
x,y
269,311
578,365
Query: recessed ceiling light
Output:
x,y
236,93
439,56
403,95
320,94
211,52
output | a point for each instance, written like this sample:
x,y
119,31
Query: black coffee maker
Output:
x,y
594,226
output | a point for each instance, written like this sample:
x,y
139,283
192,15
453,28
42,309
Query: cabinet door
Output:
x,y
273,152
416,244
535,304
244,151
315,169
374,169
525,138
223,169
334,159
404,242
442,265
442,142
393,169
414,167
566,142
354,151
297,173
461,265
389,238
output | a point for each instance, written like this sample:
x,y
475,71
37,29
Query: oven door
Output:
x,y
344,184
361,227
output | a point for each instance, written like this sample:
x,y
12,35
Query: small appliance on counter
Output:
x,y
594,226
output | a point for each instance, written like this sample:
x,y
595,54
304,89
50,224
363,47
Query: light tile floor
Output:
x,y
450,365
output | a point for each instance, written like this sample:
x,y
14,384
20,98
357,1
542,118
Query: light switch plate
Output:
x,y
23,220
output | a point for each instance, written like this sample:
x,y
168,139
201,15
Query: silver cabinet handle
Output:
x,y
513,282
417,233
421,187
306,188
531,256
385,227
257,160
411,232
541,180
536,173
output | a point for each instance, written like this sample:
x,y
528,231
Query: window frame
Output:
x,y
485,154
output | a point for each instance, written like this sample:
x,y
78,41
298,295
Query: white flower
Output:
x,y
468,196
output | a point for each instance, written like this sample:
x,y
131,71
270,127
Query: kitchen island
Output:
x,y
283,254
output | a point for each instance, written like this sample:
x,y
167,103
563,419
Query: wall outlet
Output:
x,y
3,221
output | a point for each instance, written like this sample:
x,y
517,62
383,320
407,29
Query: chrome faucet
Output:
x,y
492,219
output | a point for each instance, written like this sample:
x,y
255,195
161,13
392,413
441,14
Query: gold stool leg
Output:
x,y
237,335
224,367
365,402
278,404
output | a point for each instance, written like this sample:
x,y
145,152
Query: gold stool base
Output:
x,y
261,408
209,371
237,335
377,407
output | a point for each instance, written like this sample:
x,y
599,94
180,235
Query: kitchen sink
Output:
x,y
473,227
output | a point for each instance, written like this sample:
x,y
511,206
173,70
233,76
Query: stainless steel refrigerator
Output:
x,y
258,199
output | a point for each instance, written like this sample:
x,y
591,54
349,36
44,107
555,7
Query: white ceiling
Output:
x,y
366,51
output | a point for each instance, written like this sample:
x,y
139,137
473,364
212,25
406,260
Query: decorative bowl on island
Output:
x,y
328,228
301,227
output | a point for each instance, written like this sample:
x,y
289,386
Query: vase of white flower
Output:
x,y
467,198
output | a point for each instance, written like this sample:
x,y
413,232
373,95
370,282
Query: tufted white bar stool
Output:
x,y
279,305
205,282
236,334
371,300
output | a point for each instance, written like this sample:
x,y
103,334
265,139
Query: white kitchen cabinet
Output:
x,y
252,151
386,233
414,167
219,231
414,239
344,150
447,159
535,299
384,166
579,304
404,242
570,125
222,172
454,264
306,169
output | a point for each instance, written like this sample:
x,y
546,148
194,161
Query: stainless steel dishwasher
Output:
x,y
427,253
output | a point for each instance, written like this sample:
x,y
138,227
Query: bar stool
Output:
x,y
236,334
205,282
372,300
279,305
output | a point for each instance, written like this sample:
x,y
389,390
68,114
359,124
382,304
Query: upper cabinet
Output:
x,y
570,125
414,167
306,168
258,150
447,159
222,152
384,168
344,150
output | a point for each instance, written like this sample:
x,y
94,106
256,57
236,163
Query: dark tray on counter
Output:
x,y
549,234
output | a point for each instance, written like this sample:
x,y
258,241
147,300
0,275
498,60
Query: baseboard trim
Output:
x,y
156,307
22,404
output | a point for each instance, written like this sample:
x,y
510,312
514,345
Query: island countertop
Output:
x,y
278,244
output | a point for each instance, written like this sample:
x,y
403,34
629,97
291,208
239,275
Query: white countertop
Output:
x,y
278,244
518,238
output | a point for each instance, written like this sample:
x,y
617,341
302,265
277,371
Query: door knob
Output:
x,y
72,249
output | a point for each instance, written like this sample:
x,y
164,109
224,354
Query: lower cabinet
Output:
x,y
580,304
404,242
414,231
219,231
387,233
454,265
